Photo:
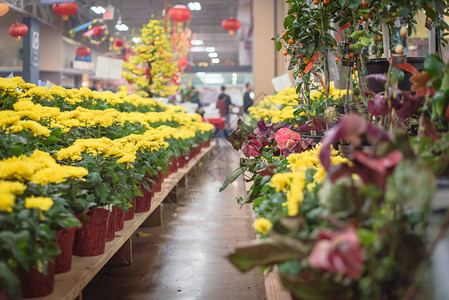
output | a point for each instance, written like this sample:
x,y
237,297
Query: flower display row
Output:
x,y
285,106
336,227
79,159
343,181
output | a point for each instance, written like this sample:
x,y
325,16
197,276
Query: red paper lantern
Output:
x,y
97,30
118,43
179,13
18,30
231,25
65,9
83,51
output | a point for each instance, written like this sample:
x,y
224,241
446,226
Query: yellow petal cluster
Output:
x,y
11,122
42,203
82,117
262,225
8,192
279,107
125,149
294,182
334,94
39,168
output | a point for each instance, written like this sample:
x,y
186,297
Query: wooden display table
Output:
x,y
69,286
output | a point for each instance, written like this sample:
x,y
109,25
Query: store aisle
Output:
x,y
184,258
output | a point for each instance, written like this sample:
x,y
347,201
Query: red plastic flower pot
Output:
x,y
119,218
153,188
90,240
35,284
143,203
64,241
129,215
158,182
3,296
171,165
110,233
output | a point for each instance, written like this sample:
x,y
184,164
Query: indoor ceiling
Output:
x,y
205,24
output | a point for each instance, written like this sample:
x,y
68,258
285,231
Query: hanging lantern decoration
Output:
x,y
97,31
55,1
179,13
18,30
65,9
231,25
83,51
118,44
3,9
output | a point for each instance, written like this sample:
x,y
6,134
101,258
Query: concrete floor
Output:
x,y
185,257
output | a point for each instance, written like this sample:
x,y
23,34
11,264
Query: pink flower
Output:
x,y
287,138
338,252
251,147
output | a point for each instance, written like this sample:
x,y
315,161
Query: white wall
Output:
x,y
10,48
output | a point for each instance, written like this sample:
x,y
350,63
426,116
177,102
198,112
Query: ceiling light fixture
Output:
x,y
98,9
213,54
210,49
197,42
194,5
136,39
121,27
197,49
215,60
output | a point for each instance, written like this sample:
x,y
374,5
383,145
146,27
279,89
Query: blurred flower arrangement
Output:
x,y
336,227
352,224
64,152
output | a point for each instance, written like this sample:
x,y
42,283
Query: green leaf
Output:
x,y
278,46
433,65
439,101
365,41
9,283
261,253
397,74
356,34
354,3
366,236
288,21
232,177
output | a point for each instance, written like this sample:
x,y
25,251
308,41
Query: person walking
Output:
x,y
247,100
228,105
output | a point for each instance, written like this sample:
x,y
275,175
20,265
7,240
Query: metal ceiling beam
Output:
x,y
33,9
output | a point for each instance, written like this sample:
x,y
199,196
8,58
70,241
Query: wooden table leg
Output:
x,y
172,196
155,219
124,256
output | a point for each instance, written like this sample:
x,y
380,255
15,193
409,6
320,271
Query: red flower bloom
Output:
x,y
287,138
338,252
251,147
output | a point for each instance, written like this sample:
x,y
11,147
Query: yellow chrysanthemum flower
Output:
x,y
42,203
8,192
262,225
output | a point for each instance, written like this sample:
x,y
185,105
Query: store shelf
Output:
x,y
69,286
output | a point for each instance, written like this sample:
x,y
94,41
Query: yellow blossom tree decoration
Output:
x,y
153,65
